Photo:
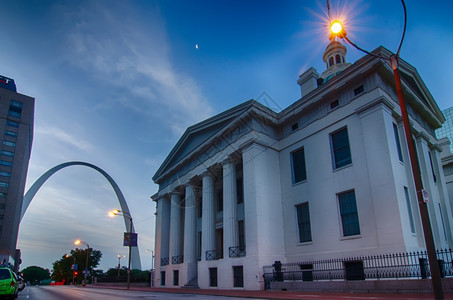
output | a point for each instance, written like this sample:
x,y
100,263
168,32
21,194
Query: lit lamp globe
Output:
x,y
337,30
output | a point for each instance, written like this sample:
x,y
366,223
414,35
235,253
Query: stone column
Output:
x,y
164,211
230,225
175,225
190,228
208,215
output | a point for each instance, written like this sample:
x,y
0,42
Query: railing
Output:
x,y
399,265
175,260
237,251
164,261
213,254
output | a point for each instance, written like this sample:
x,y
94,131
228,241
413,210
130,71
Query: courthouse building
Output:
x,y
327,177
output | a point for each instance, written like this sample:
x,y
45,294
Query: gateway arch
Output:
x,y
135,257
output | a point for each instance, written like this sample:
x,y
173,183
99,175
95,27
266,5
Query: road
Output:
x,y
78,293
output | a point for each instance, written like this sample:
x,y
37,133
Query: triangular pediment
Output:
x,y
199,134
413,86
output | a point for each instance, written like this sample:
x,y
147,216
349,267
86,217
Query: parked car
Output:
x,y
8,283
20,282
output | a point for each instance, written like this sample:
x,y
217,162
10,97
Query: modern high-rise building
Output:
x,y
16,130
328,177
447,128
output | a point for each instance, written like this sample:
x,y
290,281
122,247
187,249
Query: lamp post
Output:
x,y
337,30
152,266
117,212
78,242
73,269
119,265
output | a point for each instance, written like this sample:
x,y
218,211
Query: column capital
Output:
x,y
229,160
207,172
176,191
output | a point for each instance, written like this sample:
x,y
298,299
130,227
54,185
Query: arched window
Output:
x,y
337,59
330,61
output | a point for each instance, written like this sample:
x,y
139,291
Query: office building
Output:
x,y
16,129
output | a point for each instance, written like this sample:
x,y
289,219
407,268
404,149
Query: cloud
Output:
x,y
58,135
109,44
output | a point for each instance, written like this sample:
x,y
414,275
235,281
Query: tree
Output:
x,y
35,274
63,268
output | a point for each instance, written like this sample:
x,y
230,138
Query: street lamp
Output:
x,y
152,257
117,212
152,266
73,269
78,242
337,30
119,265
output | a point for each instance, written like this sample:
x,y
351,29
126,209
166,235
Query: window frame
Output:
x,y
337,164
300,166
352,214
399,149
213,277
302,223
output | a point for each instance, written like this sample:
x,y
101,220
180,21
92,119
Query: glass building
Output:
x,y
447,128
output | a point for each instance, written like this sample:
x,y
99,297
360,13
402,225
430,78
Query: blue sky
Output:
x,y
117,82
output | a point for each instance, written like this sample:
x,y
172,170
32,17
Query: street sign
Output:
x,y
130,239
425,196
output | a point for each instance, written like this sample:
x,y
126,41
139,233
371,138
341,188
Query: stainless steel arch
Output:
x,y
135,257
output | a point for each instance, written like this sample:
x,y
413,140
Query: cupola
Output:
x,y
335,59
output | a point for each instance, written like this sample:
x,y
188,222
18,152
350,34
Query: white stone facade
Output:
x,y
238,189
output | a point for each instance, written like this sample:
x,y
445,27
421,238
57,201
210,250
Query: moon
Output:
x,y
196,46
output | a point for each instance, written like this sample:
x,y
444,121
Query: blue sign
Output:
x,y
130,239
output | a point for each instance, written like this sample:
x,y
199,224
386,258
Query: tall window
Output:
x,y
241,231
175,277
240,190
213,277
199,245
15,109
398,144
348,212
298,164
162,277
442,219
238,276
432,167
409,209
303,222
340,147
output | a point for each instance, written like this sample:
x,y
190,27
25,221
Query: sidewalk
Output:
x,y
281,294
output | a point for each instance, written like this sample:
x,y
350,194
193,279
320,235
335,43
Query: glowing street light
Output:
x,y
78,242
337,30
119,263
117,212
73,269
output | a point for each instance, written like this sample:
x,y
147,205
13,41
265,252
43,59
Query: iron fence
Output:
x,y
214,254
388,266
164,261
175,260
238,251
